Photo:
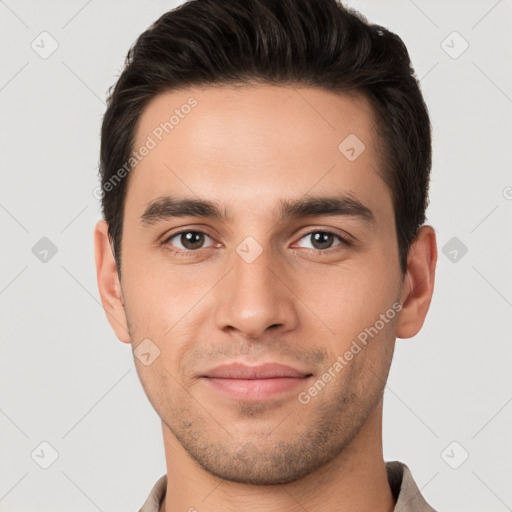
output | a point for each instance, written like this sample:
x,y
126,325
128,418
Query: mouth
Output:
x,y
255,383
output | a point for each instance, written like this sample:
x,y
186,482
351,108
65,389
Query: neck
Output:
x,y
355,480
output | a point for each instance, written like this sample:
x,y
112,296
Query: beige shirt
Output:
x,y
407,495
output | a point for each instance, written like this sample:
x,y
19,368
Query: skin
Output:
x,y
298,303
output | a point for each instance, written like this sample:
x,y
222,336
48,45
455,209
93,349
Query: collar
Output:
x,y
407,496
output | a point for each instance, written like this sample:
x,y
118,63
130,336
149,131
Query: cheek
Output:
x,y
349,297
168,307
158,294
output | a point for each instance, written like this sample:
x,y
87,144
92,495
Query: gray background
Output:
x,y
67,381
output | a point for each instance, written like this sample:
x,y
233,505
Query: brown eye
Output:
x,y
188,240
322,240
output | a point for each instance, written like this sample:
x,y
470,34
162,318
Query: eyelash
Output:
x,y
188,253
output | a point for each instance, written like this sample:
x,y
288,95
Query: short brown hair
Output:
x,y
310,43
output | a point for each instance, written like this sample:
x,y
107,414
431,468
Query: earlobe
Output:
x,y
108,283
418,285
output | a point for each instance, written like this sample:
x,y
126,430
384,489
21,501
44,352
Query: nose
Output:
x,y
255,296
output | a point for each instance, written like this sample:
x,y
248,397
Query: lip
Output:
x,y
254,383
261,371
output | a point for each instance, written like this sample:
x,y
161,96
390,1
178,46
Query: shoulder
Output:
x,y
157,494
407,496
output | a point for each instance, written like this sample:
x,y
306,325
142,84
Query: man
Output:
x,y
265,169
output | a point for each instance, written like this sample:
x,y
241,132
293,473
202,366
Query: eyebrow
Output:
x,y
167,207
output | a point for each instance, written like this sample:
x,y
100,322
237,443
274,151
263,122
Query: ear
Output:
x,y
108,282
418,284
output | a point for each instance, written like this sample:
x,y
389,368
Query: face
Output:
x,y
280,264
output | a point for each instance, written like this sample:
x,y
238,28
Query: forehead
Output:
x,y
251,146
